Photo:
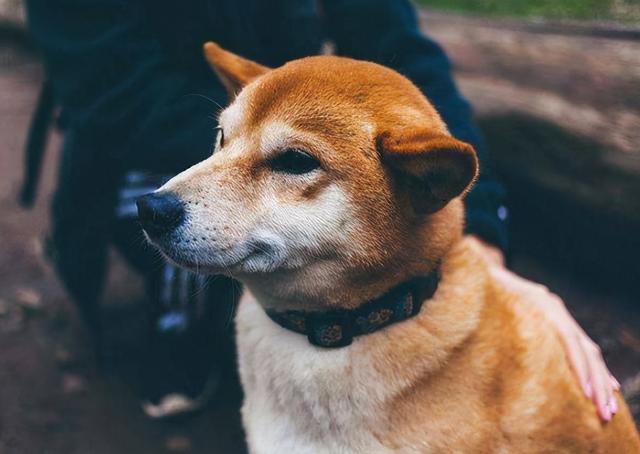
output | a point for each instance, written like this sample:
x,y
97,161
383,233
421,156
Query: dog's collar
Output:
x,y
337,328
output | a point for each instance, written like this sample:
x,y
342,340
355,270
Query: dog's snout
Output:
x,y
160,212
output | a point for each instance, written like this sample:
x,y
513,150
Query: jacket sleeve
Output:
x,y
127,104
388,32
123,95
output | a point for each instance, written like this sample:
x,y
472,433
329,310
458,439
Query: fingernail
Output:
x,y
606,413
587,389
613,405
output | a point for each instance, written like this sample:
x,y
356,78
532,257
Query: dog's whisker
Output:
x,y
203,96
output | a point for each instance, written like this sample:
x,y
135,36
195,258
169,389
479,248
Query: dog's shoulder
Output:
x,y
537,394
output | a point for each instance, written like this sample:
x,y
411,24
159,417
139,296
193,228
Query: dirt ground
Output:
x,y
52,399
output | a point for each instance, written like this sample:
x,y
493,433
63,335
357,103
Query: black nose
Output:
x,y
160,212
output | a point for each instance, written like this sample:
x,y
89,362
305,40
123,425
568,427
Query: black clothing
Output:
x,y
136,93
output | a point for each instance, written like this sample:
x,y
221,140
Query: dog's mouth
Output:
x,y
227,268
249,257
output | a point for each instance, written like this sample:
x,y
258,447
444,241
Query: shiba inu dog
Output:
x,y
369,323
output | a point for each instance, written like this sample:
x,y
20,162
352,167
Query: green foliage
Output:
x,y
576,9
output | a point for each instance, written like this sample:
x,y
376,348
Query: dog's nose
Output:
x,y
160,212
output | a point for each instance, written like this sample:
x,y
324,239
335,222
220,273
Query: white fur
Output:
x,y
303,399
233,116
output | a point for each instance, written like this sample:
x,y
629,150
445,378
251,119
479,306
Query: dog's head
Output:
x,y
330,177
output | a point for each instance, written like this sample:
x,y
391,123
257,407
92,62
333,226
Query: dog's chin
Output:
x,y
254,263
247,258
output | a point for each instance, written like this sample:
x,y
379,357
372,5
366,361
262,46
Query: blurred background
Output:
x,y
558,80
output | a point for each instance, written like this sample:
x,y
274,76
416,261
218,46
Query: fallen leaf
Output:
x,y
29,299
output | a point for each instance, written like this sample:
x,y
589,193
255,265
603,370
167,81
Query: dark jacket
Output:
x,y
136,94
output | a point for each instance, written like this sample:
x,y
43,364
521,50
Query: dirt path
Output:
x,y
51,398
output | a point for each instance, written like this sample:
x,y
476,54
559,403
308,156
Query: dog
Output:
x,y
369,323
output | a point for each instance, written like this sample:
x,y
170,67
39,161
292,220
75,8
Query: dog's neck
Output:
x,y
338,328
434,332
319,289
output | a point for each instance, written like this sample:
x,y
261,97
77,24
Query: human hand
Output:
x,y
583,354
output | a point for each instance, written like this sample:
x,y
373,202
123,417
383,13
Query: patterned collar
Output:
x,y
337,328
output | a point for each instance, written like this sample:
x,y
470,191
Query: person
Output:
x,y
137,99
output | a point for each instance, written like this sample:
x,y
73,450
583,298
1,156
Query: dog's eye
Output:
x,y
294,161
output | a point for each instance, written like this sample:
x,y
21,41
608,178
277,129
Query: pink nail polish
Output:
x,y
613,405
606,413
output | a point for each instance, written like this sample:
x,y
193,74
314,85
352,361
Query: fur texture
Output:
x,y
475,371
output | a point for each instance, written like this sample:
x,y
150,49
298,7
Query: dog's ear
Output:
x,y
434,167
234,71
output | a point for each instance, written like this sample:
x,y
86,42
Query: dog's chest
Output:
x,y
301,398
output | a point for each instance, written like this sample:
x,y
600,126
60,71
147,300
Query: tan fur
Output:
x,y
476,371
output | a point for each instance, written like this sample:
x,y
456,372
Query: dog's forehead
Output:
x,y
250,111
340,101
293,121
